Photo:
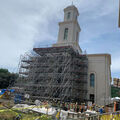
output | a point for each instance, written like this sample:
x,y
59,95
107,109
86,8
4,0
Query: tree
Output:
x,y
7,78
115,91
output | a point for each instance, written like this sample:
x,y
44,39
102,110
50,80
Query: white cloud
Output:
x,y
19,21
26,22
116,64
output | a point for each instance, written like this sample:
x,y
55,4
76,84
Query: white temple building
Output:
x,y
99,65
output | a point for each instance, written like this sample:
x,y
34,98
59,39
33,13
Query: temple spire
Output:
x,y
69,29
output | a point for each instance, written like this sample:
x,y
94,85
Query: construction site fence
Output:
x,y
105,116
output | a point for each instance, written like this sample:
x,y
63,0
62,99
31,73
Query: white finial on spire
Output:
x,y
72,2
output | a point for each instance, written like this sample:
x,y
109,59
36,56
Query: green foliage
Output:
x,y
45,117
115,92
3,70
7,78
9,114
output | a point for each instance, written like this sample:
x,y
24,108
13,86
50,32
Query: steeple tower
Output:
x,y
69,29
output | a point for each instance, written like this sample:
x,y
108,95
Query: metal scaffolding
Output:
x,y
54,73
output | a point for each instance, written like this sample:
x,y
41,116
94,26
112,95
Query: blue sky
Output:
x,y
28,23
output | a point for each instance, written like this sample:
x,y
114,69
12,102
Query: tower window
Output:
x,y
68,15
66,34
76,17
92,80
77,34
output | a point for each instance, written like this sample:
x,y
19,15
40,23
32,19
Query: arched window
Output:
x,y
77,35
68,15
92,80
66,34
76,17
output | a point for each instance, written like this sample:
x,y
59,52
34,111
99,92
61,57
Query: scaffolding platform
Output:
x,y
54,73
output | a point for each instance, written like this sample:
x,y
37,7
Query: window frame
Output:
x,y
77,36
92,80
68,15
66,34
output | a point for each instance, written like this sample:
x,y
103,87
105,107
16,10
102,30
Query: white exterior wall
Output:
x,y
74,12
99,64
73,29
